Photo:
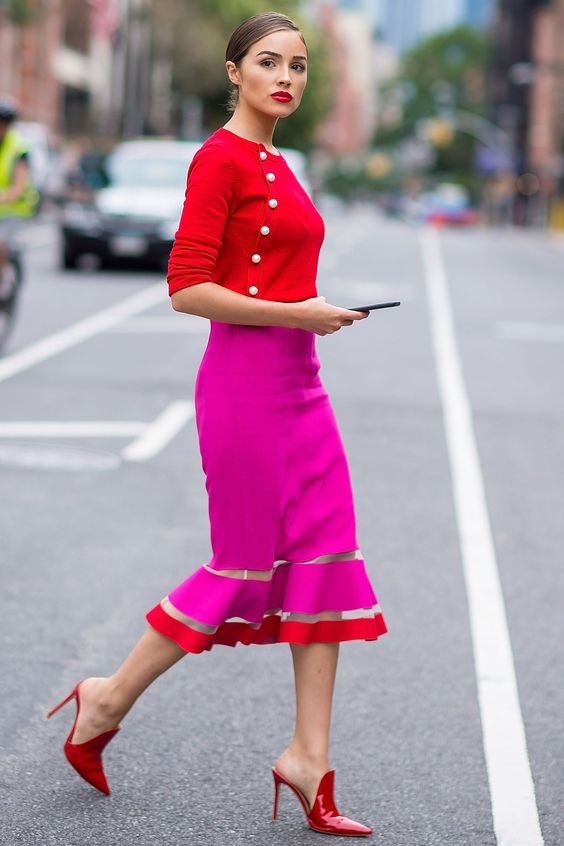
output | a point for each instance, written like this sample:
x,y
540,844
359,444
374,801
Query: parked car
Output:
x,y
448,205
135,216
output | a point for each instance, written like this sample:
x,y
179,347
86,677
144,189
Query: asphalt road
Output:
x,y
91,537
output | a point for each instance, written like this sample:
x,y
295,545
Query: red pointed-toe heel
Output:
x,y
86,758
323,816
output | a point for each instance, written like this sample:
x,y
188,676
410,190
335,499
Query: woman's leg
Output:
x,y
106,701
306,759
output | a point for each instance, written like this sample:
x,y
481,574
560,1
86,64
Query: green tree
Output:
x,y
20,12
443,73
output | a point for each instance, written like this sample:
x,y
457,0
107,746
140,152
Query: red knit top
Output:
x,y
246,224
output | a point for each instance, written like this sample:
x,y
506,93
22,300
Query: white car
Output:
x,y
136,216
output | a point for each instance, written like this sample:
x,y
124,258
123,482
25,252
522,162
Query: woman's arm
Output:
x,y
210,194
217,303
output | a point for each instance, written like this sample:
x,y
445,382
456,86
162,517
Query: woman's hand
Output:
x,y
215,302
319,316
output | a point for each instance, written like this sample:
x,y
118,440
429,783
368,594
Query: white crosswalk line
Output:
x,y
72,429
74,334
160,432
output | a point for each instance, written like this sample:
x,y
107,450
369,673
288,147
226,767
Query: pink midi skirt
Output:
x,y
285,563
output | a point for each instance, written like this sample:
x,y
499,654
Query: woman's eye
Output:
x,y
269,63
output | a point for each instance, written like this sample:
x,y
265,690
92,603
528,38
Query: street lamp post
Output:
x,y
137,68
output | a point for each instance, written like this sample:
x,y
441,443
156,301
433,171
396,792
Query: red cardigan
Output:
x,y
246,224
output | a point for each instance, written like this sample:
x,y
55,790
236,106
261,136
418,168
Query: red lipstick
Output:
x,y
282,96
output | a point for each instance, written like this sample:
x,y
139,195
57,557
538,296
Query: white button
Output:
x,y
262,155
265,230
270,177
253,290
273,203
255,258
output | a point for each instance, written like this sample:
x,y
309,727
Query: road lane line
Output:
x,y
160,432
74,334
551,333
72,429
514,809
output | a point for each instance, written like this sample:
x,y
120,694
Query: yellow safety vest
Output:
x,y
12,147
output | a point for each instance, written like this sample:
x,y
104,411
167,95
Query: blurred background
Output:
x,y
443,110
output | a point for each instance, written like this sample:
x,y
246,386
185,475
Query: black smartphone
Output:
x,y
373,307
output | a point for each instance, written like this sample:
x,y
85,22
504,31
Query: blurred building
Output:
x,y
479,13
88,67
438,15
28,43
77,67
545,130
56,60
402,23
350,125
527,88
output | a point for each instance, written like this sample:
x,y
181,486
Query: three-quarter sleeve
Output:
x,y
207,202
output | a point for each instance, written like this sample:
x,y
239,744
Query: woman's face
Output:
x,y
272,75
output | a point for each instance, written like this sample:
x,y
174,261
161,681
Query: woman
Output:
x,y
286,565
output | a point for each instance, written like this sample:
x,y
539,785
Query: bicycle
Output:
x,y
10,286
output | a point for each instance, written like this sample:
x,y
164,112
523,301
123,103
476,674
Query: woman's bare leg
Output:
x,y
306,759
106,701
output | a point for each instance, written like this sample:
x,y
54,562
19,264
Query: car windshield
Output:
x,y
138,171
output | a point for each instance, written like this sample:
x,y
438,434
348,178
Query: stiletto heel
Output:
x,y
278,780
276,792
86,758
71,695
323,816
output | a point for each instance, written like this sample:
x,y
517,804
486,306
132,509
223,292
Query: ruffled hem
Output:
x,y
273,629
298,588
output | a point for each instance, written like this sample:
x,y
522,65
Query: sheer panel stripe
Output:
x,y
327,598
274,628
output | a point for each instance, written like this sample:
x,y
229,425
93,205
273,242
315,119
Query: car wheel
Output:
x,y
69,258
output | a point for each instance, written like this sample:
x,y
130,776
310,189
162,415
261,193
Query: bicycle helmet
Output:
x,y
8,109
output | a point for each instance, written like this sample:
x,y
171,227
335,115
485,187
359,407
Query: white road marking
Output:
x,y
551,333
72,429
150,438
160,432
183,324
512,792
48,457
82,330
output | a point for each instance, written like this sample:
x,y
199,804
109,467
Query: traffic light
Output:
x,y
378,165
439,132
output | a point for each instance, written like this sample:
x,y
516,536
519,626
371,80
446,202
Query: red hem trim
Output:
x,y
271,630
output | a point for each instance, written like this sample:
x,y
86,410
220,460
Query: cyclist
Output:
x,y
18,196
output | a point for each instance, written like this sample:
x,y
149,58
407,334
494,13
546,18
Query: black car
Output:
x,y
136,215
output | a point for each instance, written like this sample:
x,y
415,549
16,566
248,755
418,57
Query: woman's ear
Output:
x,y
233,72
